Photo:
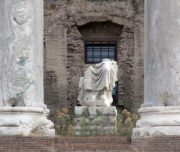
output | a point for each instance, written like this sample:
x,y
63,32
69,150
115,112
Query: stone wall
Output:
x,y
90,144
64,49
95,120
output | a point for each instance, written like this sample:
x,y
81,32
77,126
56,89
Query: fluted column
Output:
x,y
160,113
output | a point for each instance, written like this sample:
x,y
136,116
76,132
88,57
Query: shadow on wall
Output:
x,y
51,94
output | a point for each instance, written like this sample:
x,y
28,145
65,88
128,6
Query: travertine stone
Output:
x,y
79,111
160,112
92,111
107,110
96,122
22,108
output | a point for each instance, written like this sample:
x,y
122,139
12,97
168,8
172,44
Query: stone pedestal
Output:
x,y
25,121
22,108
158,121
95,120
160,112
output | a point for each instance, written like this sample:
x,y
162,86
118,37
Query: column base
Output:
x,y
95,120
158,121
25,121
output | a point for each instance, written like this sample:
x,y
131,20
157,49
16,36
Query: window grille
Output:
x,y
96,51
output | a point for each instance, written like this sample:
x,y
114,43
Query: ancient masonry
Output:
x,y
95,120
66,26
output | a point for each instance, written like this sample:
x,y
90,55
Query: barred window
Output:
x,y
96,51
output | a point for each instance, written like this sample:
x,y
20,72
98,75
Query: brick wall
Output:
x,y
156,144
64,144
64,49
90,144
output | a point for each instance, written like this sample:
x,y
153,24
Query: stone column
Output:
x,y
22,108
160,113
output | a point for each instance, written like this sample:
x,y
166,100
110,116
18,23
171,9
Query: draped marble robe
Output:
x,y
97,84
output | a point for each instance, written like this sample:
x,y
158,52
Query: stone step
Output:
x,y
96,140
63,144
93,147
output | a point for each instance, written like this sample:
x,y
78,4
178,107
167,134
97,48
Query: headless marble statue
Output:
x,y
97,84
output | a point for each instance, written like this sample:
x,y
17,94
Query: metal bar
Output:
x,y
93,54
108,50
100,51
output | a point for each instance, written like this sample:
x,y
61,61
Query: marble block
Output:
x,y
158,121
25,121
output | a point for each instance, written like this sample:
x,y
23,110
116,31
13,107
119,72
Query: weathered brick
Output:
x,y
64,48
48,144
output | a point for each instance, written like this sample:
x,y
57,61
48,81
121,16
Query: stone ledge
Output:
x,y
23,109
93,111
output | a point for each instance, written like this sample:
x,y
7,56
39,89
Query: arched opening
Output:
x,y
100,42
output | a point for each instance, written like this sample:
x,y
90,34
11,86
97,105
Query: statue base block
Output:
x,y
158,121
95,120
25,121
